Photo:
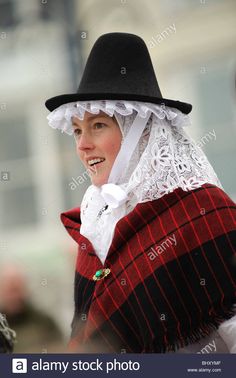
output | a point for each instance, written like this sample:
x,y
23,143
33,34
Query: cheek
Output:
x,y
79,153
115,145
112,149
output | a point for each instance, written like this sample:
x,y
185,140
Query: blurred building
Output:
x,y
36,62
43,47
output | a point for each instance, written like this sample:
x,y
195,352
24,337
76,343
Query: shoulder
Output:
x,y
213,194
201,209
207,197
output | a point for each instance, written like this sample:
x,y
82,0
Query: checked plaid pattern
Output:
x,y
157,299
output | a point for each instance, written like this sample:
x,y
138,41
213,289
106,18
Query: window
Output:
x,y
17,188
17,207
14,142
7,14
216,101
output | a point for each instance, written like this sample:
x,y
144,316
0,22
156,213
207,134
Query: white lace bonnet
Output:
x,y
156,154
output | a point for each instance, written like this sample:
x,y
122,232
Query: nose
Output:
x,y
84,142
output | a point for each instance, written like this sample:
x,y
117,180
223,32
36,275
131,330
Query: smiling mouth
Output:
x,y
95,161
94,167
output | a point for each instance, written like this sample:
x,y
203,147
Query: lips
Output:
x,y
95,167
94,161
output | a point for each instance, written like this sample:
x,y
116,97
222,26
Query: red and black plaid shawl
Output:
x,y
160,295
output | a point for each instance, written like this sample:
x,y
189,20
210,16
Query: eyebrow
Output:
x,y
90,117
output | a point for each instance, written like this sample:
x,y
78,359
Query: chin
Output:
x,y
99,182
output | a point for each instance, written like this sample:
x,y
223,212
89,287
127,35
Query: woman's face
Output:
x,y
98,136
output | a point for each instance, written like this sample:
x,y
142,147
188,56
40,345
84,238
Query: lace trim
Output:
x,y
170,160
60,118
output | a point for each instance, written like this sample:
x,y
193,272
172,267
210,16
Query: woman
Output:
x,y
156,233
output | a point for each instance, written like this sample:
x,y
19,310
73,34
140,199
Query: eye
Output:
x,y
77,132
99,125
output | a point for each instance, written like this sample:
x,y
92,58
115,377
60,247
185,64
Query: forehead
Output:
x,y
89,117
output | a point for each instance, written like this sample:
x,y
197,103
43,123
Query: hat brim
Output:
x,y
54,102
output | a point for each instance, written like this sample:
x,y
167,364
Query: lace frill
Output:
x,y
60,118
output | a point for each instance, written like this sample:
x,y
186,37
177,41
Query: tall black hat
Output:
x,y
119,67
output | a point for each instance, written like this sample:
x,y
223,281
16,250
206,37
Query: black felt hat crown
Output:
x,y
119,67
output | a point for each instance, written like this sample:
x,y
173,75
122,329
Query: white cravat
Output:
x,y
99,229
